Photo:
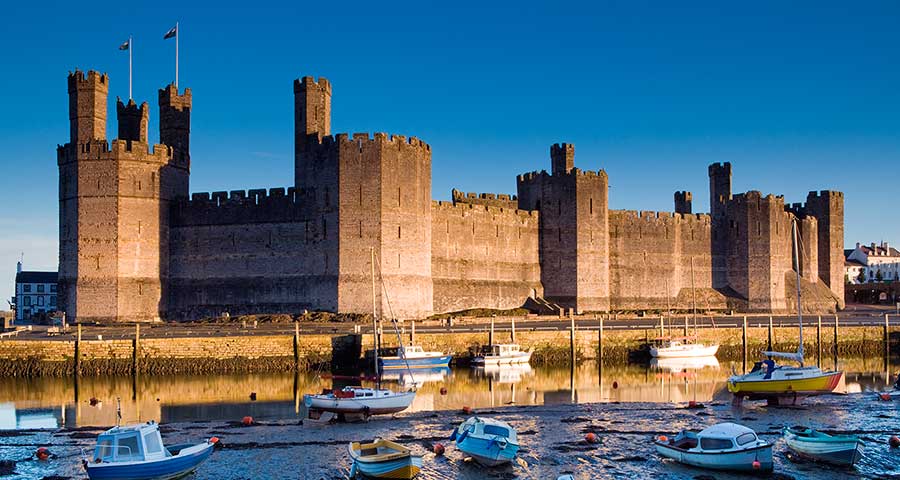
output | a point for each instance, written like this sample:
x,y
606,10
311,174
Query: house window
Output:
x,y
26,287
40,288
52,300
27,301
52,288
40,301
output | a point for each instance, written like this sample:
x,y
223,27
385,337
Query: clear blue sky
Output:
x,y
797,95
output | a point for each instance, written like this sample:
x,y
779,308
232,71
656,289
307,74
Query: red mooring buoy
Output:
x,y
42,453
247,421
438,449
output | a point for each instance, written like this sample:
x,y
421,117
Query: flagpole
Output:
x,y
176,56
130,49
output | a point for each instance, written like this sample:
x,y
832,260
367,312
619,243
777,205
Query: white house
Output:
x,y
35,293
872,263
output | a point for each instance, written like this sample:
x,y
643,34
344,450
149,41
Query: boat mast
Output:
x,y
375,322
794,235
693,297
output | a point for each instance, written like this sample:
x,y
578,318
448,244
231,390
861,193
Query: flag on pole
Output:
x,y
125,45
171,33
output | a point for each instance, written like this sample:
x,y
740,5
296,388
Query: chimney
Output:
x,y
857,245
874,252
19,267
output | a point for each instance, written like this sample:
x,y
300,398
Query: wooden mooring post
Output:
x,y
78,352
491,332
744,342
771,340
136,350
685,325
412,332
819,342
512,330
887,342
297,346
572,340
600,343
834,342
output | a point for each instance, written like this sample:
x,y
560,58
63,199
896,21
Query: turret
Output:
x,y
132,120
719,188
87,106
683,202
175,124
828,208
562,158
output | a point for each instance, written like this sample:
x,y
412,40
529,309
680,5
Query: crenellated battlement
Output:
x,y
274,205
466,208
116,150
755,197
305,83
720,168
89,79
169,96
361,138
499,200
658,217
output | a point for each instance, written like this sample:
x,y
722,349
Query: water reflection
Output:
x,y
52,402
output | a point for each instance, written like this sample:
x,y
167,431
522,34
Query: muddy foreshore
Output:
x,y
552,439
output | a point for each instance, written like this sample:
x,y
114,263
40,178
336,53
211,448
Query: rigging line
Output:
x,y
394,320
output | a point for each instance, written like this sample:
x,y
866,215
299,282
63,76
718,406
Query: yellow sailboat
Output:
x,y
770,381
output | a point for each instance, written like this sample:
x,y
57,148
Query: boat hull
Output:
x,y
733,461
163,469
679,352
833,450
369,406
486,452
820,384
405,468
522,357
392,363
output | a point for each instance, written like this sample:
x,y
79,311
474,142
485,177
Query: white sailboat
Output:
x,y
684,347
358,400
768,380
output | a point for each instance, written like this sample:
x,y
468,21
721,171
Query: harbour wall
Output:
x,y
276,353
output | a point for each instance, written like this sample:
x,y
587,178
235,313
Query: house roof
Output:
x,y
853,263
848,251
36,277
880,251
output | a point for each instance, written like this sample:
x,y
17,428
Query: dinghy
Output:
x,y
136,452
682,348
507,353
384,459
489,442
842,450
725,446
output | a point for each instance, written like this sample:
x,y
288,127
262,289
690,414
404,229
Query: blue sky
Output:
x,y
797,95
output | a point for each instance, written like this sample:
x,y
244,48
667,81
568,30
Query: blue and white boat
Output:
x,y
725,446
842,450
136,452
414,356
490,442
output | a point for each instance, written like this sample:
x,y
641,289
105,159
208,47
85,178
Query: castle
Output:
x,y
135,245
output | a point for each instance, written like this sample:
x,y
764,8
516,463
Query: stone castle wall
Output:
x,y
483,256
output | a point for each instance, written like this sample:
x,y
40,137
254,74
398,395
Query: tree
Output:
x,y
878,276
861,278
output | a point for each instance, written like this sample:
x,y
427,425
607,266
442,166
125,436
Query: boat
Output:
x,y
503,353
136,452
383,459
489,442
724,446
357,401
767,380
414,356
842,450
682,348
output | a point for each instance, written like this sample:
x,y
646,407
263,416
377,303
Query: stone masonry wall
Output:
x,y
483,256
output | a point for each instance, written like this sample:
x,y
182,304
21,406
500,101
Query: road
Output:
x,y
468,325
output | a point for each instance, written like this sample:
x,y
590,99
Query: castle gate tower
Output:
x,y
574,233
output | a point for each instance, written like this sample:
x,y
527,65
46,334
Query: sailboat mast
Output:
x,y
693,297
375,321
794,235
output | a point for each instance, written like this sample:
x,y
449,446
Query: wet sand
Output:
x,y
552,439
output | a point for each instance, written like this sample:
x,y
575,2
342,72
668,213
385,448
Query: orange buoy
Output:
x,y
247,421
443,390
663,438
438,449
214,440
894,441
42,453
252,396
615,385
885,396
590,438
756,465
467,409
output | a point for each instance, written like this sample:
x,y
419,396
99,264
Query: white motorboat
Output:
x,y
490,442
725,446
359,400
679,348
504,353
414,356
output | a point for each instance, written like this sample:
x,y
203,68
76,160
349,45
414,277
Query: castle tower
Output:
x,y
574,230
719,196
828,208
683,201
364,192
110,211
175,132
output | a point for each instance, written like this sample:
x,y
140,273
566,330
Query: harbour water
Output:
x,y
553,408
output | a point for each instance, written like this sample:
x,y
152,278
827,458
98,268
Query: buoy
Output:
x,y
443,390
94,401
467,409
885,396
590,437
252,396
663,438
214,440
438,449
894,441
247,421
615,385
42,453
756,465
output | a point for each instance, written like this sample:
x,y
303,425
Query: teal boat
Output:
x,y
842,450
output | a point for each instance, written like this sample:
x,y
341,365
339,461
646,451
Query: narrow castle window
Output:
x,y
327,197
398,196
360,229
398,231
306,237
398,260
140,288
139,227
592,205
360,195
324,228
498,231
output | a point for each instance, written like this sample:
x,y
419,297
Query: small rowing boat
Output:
x,y
383,459
725,446
843,450
489,442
